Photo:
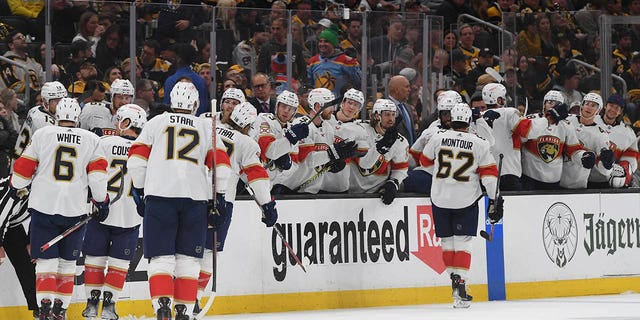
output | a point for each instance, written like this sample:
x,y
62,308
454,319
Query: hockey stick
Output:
x,y
284,241
325,168
494,74
214,267
484,234
82,222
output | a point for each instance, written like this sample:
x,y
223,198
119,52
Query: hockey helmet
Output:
x,y
593,97
122,86
383,105
461,113
184,96
288,98
53,90
492,91
244,114
448,99
68,109
355,95
320,96
136,115
554,95
234,93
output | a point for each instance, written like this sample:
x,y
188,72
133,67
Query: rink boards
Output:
x,y
364,253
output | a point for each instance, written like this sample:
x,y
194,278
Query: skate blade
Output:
x,y
459,304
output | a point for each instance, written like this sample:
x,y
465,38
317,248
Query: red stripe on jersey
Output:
x,y
517,143
522,128
399,165
161,285
140,150
255,172
462,260
222,159
208,160
264,142
186,290
97,165
631,154
415,154
491,170
294,157
25,167
570,150
425,161
303,151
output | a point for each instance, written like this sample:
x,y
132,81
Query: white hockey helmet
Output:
x,y
244,114
122,86
68,109
321,96
461,113
184,96
593,97
136,115
383,105
554,95
234,93
53,90
288,98
355,95
448,99
492,91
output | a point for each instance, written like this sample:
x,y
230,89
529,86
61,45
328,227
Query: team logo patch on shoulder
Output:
x,y
548,148
265,128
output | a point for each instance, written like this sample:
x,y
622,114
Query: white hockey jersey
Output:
x,y
458,161
63,162
97,115
269,134
37,118
507,131
593,138
122,213
624,146
392,165
172,156
546,148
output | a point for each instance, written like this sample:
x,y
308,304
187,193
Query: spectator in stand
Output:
x,y
485,59
351,44
275,52
385,48
126,69
303,17
153,66
9,98
311,42
547,38
89,30
176,21
567,84
459,70
467,37
238,75
246,53
88,72
16,78
110,50
632,77
111,74
450,41
144,94
80,52
57,71
528,40
185,54
247,19
262,99
622,53
204,70
450,10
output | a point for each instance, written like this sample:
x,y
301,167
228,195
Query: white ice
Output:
x,y
609,307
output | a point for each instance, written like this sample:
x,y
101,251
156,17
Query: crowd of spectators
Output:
x,y
91,49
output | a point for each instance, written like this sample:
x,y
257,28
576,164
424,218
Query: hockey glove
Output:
x,y
297,132
102,209
17,194
606,156
489,116
97,131
620,176
284,162
384,144
389,191
496,210
217,213
337,166
138,198
558,113
475,114
269,213
342,150
588,159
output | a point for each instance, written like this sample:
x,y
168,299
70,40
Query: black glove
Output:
x,y
475,114
97,131
269,213
15,194
102,209
138,198
389,191
337,166
559,112
342,150
217,213
384,144
284,162
489,116
588,159
297,132
496,209
606,156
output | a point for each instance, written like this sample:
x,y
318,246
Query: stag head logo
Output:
x,y
560,234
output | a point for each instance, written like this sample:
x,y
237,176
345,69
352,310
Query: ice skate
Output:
x,y
164,312
460,297
45,309
181,312
196,308
59,313
91,310
108,307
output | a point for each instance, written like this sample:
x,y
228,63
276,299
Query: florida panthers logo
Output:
x,y
548,148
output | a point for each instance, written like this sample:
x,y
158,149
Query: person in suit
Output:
x,y
399,89
262,99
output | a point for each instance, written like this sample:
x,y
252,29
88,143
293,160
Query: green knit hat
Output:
x,y
330,36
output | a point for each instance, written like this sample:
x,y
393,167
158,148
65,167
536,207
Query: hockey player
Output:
x,y
593,137
550,140
113,242
392,158
551,99
230,99
623,144
508,128
348,129
99,117
278,138
175,205
458,160
61,162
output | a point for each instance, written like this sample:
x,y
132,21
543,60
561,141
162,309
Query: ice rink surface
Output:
x,y
610,307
